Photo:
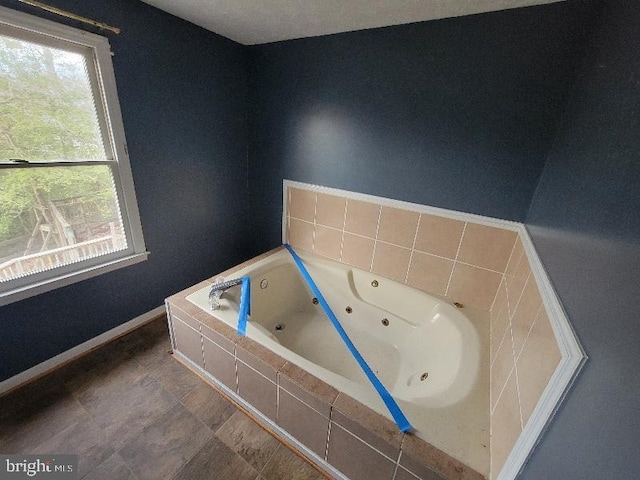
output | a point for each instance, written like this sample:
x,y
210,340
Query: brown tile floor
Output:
x,y
130,411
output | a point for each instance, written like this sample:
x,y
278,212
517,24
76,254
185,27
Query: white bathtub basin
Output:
x,y
423,350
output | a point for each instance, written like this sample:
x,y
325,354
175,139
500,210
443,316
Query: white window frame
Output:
x,y
96,48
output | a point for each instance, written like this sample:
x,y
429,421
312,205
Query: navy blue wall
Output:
x,y
585,224
183,98
457,113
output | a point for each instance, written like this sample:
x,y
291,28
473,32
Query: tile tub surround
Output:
x,y
447,257
524,355
447,254
327,422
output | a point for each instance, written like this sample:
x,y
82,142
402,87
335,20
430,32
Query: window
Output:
x,y
67,203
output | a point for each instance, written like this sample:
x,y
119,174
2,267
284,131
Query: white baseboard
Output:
x,y
78,350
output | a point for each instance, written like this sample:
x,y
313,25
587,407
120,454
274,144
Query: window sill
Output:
x,y
62,281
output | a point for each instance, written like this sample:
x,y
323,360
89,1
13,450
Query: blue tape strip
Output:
x,y
392,406
245,306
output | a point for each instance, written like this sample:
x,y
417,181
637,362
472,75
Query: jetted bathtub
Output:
x,y
425,351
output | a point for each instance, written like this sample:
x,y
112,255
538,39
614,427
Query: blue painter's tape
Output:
x,y
389,401
245,306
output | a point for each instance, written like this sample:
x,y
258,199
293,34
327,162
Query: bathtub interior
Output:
x,y
421,348
423,334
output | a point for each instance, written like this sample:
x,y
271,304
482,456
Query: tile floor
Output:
x,y
130,411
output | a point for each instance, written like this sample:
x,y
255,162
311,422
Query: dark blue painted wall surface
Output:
x,y
585,224
457,113
183,97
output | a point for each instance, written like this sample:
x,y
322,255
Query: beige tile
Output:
x,y
516,276
259,357
501,368
306,387
391,261
258,391
514,287
188,342
304,423
328,242
185,311
417,454
429,274
398,226
499,302
487,247
423,474
330,210
505,426
300,234
362,218
537,362
498,331
218,338
219,363
344,448
302,204
357,251
226,337
473,286
516,257
439,235
525,314
375,429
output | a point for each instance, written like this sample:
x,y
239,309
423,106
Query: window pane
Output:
x,y
47,110
54,216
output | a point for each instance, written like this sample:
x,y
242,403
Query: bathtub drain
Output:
x,y
279,327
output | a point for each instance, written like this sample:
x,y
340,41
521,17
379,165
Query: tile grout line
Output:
x,y
493,409
515,368
515,308
397,463
315,213
413,246
504,335
375,241
344,225
235,367
494,318
326,445
526,338
446,292
278,387
204,360
504,274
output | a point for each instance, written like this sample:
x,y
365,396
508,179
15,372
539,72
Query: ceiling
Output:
x,y
252,22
